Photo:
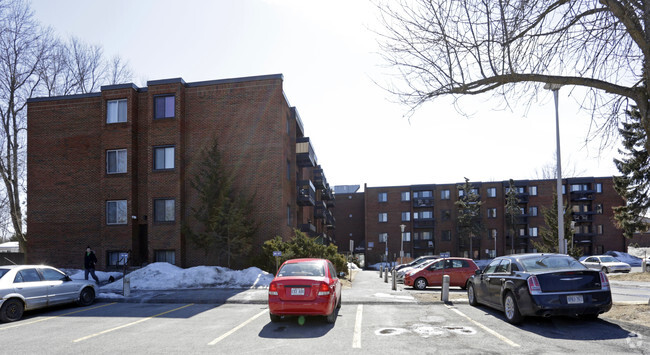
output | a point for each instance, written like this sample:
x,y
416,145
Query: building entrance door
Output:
x,y
143,243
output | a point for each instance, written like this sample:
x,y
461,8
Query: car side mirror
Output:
x,y
478,272
67,278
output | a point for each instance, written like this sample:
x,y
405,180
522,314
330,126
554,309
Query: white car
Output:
x,y
26,287
606,263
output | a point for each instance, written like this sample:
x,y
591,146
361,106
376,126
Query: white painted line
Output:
x,y
129,324
497,335
238,327
48,318
356,338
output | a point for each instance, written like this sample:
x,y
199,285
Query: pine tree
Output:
x,y
513,211
549,239
469,223
633,185
223,216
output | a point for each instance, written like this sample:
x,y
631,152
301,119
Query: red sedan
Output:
x,y
307,287
458,269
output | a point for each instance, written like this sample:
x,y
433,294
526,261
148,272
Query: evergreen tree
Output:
x,y
469,223
633,185
513,211
549,239
223,216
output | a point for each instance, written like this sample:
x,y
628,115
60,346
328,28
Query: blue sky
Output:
x,y
330,62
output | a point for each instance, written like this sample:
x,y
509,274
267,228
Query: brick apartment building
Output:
x,y
373,218
112,169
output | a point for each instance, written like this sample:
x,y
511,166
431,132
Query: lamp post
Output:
x,y
401,250
560,209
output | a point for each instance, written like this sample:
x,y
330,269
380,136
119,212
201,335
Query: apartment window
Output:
x,y
163,210
288,170
406,196
164,106
599,229
427,236
423,215
383,237
382,197
444,195
446,215
599,188
117,258
532,211
423,194
522,232
532,190
446,235
563,189
289,216
116,161
116,212
532,231
406,236
163,158
599,208
383,217
461,193
165,256
492,233
116,111
406,216
492,213
492,192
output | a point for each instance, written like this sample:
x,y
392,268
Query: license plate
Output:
x,y
301,291
574,299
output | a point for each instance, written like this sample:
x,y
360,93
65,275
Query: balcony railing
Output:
x,y
423,202
423,223
319,179
320,212
306,193
308,228
327,194
305,156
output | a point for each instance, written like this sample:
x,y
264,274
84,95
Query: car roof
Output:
x,y
303,260
23,266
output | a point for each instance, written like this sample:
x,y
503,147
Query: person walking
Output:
x,y
89,264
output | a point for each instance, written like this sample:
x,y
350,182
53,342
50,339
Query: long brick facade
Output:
x,y
167,126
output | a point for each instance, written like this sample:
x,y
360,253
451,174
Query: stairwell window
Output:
x,y
116,111
116,161
116,212
163,158
164,210
164,106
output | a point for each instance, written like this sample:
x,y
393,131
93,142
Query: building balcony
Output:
x,y
330,221
582,195
423,244
423,223
423,202
521,219
583,217
326,193
319,178
523,197
320,212
306,193
305,156
308,228
331,203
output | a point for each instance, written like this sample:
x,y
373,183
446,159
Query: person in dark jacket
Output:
x,y
89,264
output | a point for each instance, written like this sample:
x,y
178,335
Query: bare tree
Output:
x,y
509,47
118,71
87,66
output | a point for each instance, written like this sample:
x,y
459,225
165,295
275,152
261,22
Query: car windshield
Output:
x,y
551,262
302,269
608,259
3,272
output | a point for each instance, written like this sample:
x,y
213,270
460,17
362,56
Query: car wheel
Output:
x,y
331,318
12,310
275,318
86,297
511,310
605,270
420,283
471,295
647,267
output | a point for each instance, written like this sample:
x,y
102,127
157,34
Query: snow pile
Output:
x,y
164,276
352,266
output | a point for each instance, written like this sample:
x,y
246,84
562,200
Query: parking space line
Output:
x,y
238,327
356,338
48,318
129,324
495,334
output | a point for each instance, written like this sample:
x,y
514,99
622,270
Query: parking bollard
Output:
x,y
394,280
381,268
126,282
386,275
445,289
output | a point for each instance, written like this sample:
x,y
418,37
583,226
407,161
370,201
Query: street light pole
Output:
x,y
401,250
560,208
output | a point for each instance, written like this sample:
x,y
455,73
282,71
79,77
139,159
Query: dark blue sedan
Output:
x,y
540,285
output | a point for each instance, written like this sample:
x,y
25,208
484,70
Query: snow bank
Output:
x,y
163,276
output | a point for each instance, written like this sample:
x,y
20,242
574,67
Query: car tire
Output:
x,y
86,297
471,295
11,310
275,318
338,305
511,309
331,318
420,283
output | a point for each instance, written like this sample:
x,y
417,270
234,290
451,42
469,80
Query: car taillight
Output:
x,y
324,289
533,286
273,289
604,282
